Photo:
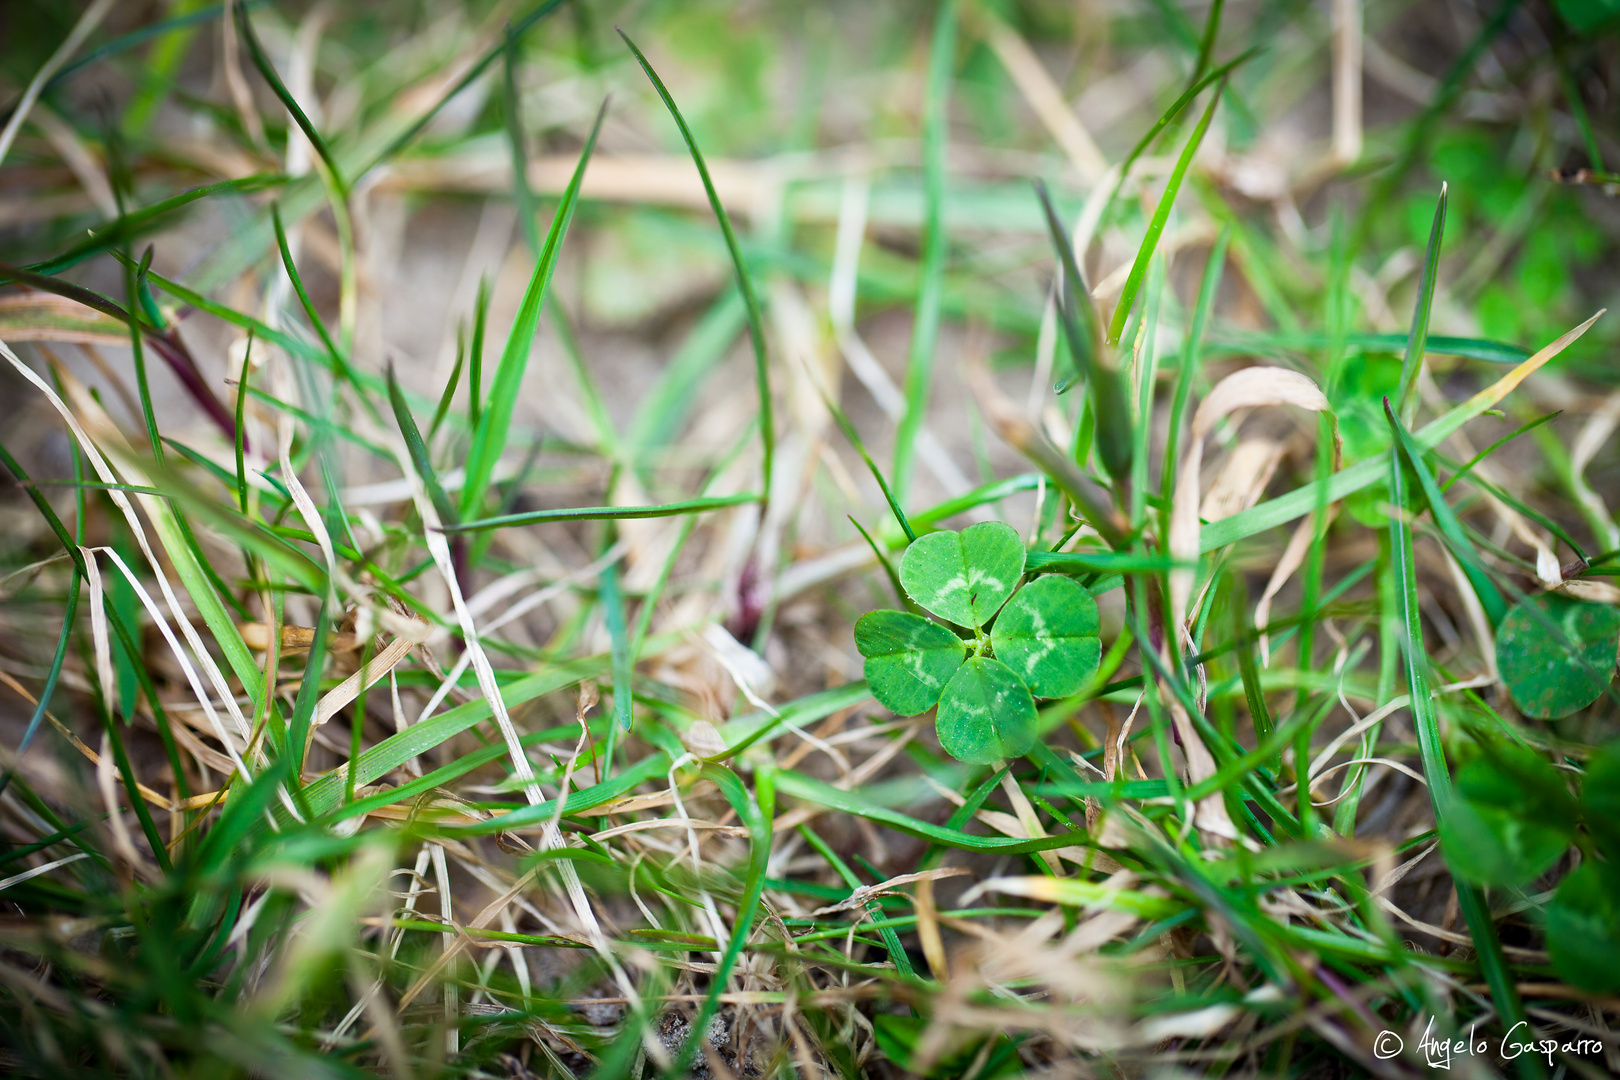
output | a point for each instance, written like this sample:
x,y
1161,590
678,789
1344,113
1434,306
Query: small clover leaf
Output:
x,y
908,659
964,577
1583,927
1511,820
985,713
1047,635
1600,798
1546,677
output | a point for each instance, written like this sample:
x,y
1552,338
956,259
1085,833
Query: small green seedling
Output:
x,y
1043,643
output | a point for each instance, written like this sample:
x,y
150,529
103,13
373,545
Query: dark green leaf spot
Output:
x,y
1548,677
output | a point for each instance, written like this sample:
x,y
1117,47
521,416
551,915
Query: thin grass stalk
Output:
x,y
1431,751
930,290
756,321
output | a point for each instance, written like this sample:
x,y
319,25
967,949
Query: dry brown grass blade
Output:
x,y
859,897
82,29
1045,98
372,672
647,179
77,743
1250,388
933,945
32,316
1347,39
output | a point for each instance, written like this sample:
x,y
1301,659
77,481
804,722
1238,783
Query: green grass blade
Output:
x,y
71,543
930,290
1191,355
605,513
239,443
1082,330
1254,696
1412,362
582,800
472,74
87,297
1497,445
246,532
854,438
619,638
1094,561
1489,597
244,27
756,323
475,354
136,223
489,439
303,714
970,806
1180,103
755,812
883,561
52,674
338,363
745,731
418,451
984,494
443,408
1206,44
143,386
1145,376
891,940
377,761
1431,751
441,777
1228,340
1161,215
293,345
821,793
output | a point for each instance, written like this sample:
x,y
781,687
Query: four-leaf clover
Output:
x,y
1042,642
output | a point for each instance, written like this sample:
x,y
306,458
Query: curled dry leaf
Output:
x,y
703,739
588,698
1250,388
294,639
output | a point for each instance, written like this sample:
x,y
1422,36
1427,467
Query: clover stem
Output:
x,y
981,642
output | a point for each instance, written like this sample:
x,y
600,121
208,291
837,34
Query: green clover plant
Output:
x,y
1042,642
1556,654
